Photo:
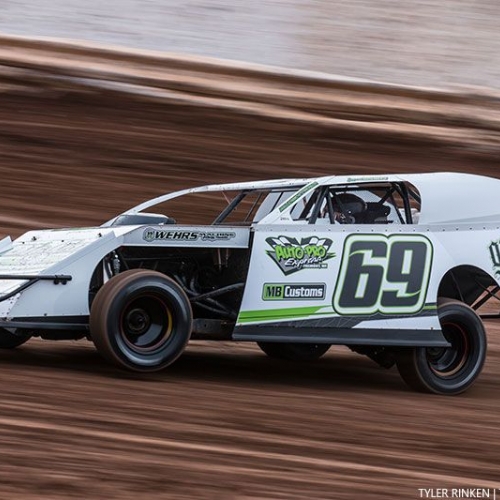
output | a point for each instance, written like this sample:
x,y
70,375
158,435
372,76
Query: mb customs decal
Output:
x,y
152,234
494,249
293,291
292,255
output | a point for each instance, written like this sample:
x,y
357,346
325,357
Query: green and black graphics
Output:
x,y
292,255
383,274
494,249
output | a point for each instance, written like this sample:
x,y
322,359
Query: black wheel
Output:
x,y
447,370
141,320
11,340
294,352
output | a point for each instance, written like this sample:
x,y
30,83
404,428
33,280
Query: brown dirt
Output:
x,y
225,421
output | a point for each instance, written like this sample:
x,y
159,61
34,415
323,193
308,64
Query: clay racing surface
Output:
x,y
224,421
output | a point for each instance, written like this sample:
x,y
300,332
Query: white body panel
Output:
x,y
77,253
448,251
57,252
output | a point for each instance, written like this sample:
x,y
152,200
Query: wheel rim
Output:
x,y
146,323
446,362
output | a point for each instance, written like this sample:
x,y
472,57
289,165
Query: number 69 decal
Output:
x,y
383,274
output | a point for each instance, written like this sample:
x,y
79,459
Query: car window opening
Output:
x,y
391,203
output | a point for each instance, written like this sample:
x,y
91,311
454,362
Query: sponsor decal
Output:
x,y
297,195
152,234
374,178
494,249
293,291
292,255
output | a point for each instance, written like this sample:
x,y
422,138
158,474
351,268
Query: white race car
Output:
x,y
396,267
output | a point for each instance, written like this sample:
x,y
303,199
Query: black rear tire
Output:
x,y
141,320
447,370
11,340
294,352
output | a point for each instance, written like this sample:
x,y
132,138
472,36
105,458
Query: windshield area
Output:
x,y
239,208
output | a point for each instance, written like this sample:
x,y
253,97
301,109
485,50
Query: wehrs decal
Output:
x,y
152,234
292,255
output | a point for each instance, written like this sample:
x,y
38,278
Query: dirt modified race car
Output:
x,y
399,268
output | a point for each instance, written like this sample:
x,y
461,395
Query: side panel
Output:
x,y
78,252
353,284
69,252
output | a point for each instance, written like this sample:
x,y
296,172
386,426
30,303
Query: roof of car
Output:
x,y
449,197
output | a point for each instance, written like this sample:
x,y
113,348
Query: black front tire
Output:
x,y
294,352
141,320
448,370
11,340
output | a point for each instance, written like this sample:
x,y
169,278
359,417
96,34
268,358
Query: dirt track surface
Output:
x,y
224,422
227,422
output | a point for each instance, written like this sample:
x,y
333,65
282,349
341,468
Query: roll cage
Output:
x,y
307,202
326,201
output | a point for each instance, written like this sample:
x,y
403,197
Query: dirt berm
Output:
x,y
85,135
